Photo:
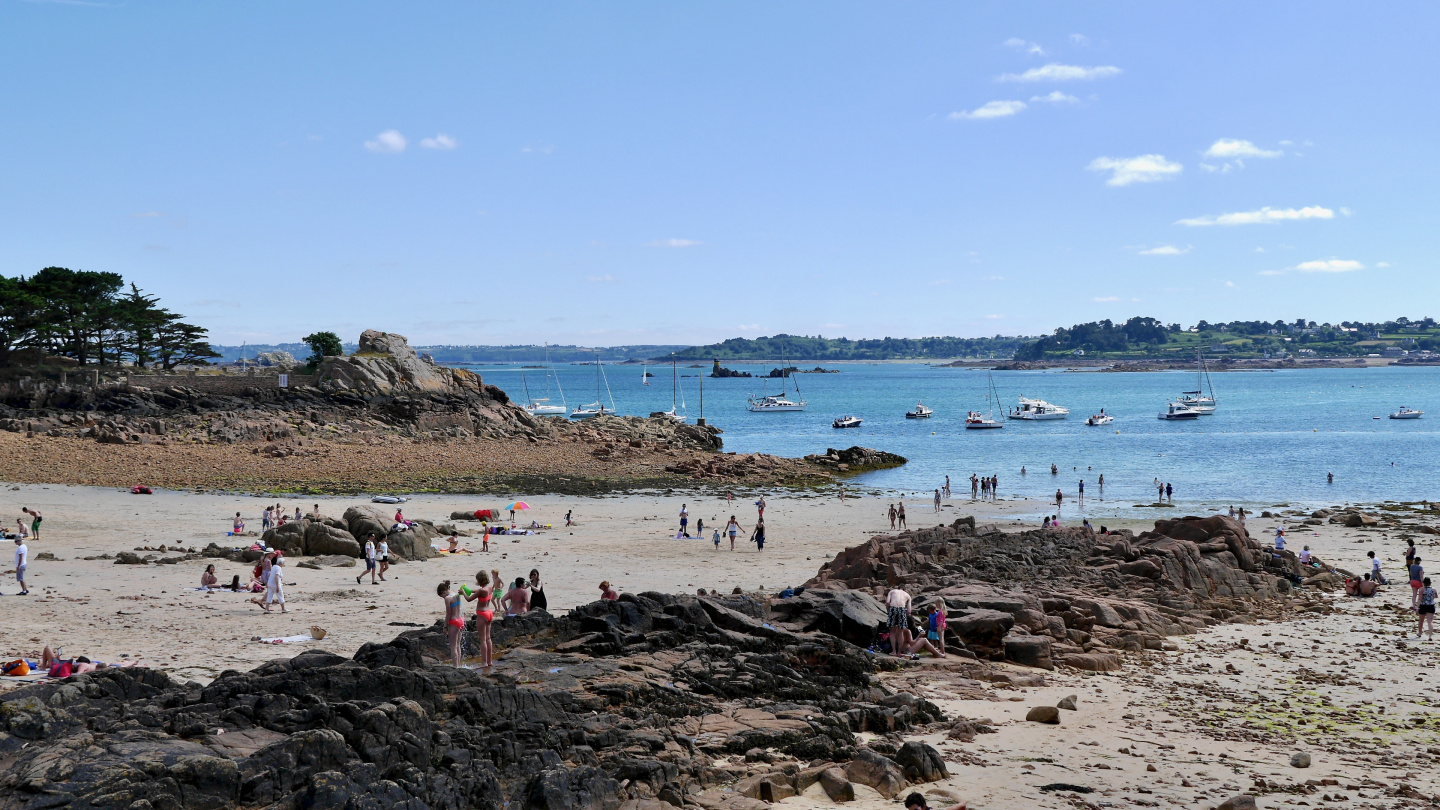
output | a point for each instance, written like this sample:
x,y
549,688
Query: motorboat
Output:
x,y
1406,413
1098,419
589,411
1176,411
847,422
1037,410
773,403
920,412
974,420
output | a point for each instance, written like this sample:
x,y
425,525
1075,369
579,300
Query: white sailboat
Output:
x,y
644,375
1198,400
974,420
596,408
540,406
777,403
677,400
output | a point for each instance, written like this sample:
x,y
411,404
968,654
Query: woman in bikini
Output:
x,y
484,614
454,624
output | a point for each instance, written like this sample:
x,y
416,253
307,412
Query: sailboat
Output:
x,y
596,408
1197,400
676,399
974,420
776,403
644,375
540,406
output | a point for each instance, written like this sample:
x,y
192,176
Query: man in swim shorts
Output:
x,y
897,608
34,521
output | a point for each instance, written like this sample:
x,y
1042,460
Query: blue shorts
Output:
x,y
369,564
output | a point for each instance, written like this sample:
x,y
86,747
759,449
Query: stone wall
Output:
x,y
228,384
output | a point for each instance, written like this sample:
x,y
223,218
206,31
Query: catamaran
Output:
x,y
596,408
777,403
974,420
1037,410
540,406
1197,400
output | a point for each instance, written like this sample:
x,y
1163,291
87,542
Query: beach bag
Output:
x,y
62,669
16,668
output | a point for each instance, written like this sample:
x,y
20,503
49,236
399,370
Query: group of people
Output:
x,y
21,536
898,637
984,488
732,528
521,596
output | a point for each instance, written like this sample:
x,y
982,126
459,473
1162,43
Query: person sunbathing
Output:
x,y
455,546
1367,586
208,579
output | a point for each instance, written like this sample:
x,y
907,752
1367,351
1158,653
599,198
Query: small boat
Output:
x,y
974,420
540,406
1177,411
1037,410
1406,413
1098,419
596,408
388,499
920,412
847,422
588,411
1199,400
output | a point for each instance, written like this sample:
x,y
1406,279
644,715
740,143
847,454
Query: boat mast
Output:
x,y
549,371
523,384
607,382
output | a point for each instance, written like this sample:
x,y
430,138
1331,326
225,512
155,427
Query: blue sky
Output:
x,y
653,172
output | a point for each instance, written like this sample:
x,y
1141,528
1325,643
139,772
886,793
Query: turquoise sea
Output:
x,y
1272,440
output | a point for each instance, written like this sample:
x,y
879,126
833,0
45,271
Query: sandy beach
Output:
x,y
1221,714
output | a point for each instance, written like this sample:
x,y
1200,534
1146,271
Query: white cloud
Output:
x,y
748,327
1259,250
1264,215
605,279
1382,264
673,243
1056,97
1329,266
390,141
1232,149
991,109
1229,284
1165,250
1345,212
1062,73
1028,48
544,149
440,141
1080,39
1108,299
1139,169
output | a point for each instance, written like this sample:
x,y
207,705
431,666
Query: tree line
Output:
x,y
93,318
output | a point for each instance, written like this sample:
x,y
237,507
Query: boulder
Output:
x,y
877,771
1043,714
1067,702
413,543
289,538
324,539
851,615
1092,662
1300,760
921,762
363,521
836,785
1240,802
982,627
128,558
1029,651
384,365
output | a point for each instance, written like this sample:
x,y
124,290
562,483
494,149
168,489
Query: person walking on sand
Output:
x,y
684,522
892,517
276,592
947,487
716,538
937,500
22,561
900,514
568,521
484,614
760,506
454,624
732,528
265,519
1426,609
34,522
1059,499
369,561
758,536
1374,568
382,554
1417,581
897,618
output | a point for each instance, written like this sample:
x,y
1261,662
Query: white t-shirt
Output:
x,y
22,555
1305,557
1375,565
384,549
369,550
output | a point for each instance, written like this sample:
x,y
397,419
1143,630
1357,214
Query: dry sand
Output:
x,y
1340,686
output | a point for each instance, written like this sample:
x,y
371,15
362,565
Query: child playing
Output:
x,y
454,624
716,539
1426,609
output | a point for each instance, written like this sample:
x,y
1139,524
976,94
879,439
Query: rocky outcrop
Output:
x,y
633,700
408,543
1067,597
857,459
